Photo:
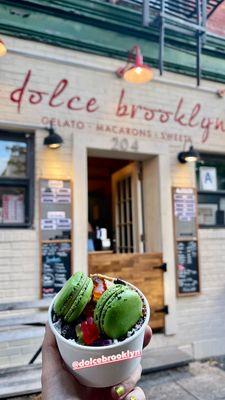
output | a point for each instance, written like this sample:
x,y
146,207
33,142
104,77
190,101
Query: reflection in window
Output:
x,y
16,179
13,159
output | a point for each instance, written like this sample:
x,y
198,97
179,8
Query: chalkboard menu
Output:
x,y
56,267
187,267
55,229
186,241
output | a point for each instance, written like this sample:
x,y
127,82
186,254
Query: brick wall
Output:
x,y
201,322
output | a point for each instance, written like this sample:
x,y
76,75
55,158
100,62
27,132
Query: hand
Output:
x,y
59,384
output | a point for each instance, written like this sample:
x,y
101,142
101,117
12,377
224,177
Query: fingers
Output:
x,y
148,336
50,354
136,394
127,387
120,391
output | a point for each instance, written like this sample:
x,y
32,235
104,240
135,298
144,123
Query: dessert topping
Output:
x,y
79,334
99,287
89,330
89,309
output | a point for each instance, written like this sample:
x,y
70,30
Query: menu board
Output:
x,y
56,267
55,202
187,267
184,200
55,229
186,241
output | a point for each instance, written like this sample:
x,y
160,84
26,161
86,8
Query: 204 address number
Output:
x,y
124,144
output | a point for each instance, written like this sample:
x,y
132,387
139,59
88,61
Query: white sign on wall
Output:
x,y
208,178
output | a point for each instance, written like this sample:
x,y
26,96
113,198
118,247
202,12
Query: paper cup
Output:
x,y
102,366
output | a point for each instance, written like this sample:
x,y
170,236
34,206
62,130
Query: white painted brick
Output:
x,y
198,317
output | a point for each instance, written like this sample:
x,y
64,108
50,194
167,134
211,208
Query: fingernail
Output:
x,y
133,398
120,390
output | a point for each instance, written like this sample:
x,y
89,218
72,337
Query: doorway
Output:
x,y
115,215
115,230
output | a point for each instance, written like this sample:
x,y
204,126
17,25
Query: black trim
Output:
x,y
27,182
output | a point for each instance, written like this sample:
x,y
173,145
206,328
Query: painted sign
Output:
x,y
64,96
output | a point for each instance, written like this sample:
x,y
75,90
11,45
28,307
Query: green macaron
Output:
x,y
117,311
73,297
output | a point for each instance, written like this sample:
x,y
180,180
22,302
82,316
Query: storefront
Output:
x,y
116,168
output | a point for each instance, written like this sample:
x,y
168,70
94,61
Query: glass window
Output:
x,y
16,179
13,157
210,174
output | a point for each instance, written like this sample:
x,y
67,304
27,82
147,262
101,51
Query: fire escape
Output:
x,y
187,17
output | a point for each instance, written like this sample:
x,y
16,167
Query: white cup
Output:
x,y
94,373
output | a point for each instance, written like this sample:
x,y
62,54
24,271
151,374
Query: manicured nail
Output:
x,y
120,390
133,398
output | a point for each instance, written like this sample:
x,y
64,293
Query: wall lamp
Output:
x,y
53,140
3,49
191,155
135,71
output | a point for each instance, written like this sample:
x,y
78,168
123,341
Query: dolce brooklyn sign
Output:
x,y
59,98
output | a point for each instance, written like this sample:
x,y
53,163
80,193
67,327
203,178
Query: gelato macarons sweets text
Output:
x,y
97,310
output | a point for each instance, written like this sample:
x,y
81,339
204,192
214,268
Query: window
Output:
x,y
210,172
16,179
124,212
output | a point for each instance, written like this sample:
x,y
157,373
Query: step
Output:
x,y
164,358
18,381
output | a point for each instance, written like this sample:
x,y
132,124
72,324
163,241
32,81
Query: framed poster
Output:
x,y
186,241
55,227
185,212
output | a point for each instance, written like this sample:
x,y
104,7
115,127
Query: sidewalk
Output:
x,y
198,381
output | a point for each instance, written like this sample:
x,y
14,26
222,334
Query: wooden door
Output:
x,y
142,270
127,209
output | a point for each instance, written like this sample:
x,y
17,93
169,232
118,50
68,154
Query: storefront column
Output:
x,y
80,205
159,224
167,241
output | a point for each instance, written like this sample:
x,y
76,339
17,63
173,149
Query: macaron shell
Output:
x,y
81,301
121,314
68,293
103,300
114,297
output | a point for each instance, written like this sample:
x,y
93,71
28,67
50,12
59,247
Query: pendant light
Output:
x,y
135,71
3,49
53,140
192,155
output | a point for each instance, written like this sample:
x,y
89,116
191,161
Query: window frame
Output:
x,y
210,195
27,182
